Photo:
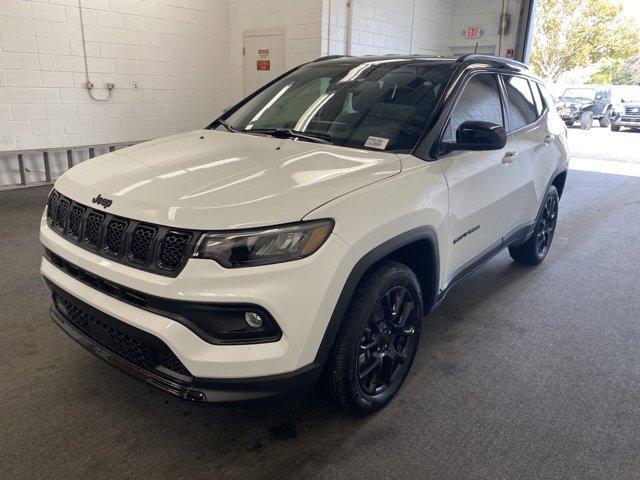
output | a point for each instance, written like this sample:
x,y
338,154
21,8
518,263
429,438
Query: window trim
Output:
x,y
528,126
454,104
545,106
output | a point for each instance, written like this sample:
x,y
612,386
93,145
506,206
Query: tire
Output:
x,y
535,249
568,124
615,128
586,120
605,121
374,348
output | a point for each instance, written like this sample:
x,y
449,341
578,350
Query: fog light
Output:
x,y
253,319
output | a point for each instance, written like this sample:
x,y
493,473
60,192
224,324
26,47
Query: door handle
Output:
x,y
509,157
549,138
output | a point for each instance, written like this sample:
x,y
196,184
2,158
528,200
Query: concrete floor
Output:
x,y
522,373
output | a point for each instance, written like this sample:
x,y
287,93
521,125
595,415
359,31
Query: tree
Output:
x,y
618,72
577,33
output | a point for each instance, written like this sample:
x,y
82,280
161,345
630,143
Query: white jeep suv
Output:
x,y
304,235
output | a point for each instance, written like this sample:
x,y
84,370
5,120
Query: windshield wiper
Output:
x,y
288,133
227,125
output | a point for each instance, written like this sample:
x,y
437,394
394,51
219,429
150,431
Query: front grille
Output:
x,y
92,228
141,243
630,111
140,348
53,198
154,248
61,212
172,250
114,237
75,221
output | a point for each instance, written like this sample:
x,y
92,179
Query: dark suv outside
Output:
x,y
585,104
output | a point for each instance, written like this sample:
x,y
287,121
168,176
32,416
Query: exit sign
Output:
x,y
473,32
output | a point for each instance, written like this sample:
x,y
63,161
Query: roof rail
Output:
x,y
328,57
491,58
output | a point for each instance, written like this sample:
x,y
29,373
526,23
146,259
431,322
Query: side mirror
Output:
x,y
622,100
476,136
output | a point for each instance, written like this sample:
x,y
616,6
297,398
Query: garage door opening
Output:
x,y
588,52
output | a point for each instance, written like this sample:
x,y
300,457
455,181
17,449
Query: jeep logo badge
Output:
x,y
100,200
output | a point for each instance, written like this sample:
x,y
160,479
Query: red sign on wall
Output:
x,y
263,65
473,32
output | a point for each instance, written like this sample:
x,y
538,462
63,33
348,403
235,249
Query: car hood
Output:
x,y
212,180
575,100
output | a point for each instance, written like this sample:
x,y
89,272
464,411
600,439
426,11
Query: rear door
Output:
x,y
481,184
537,150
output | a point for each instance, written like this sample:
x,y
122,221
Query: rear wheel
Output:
x,y
568,123
605,121
586,120
534,250
377,341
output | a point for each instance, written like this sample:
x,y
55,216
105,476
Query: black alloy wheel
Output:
x,y
389,334
535,249
377,341
546,225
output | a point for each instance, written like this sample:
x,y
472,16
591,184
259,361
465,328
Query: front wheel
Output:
x,y
586,120
605,121
534,250
615,128
377,341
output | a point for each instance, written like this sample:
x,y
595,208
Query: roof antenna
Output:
x,y
475,50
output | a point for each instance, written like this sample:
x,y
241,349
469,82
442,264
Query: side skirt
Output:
x,y
517,237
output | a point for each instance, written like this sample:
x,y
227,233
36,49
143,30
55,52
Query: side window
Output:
x,y
522,107
540,105
480,100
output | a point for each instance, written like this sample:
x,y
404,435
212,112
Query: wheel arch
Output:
x,y
417,248
559,181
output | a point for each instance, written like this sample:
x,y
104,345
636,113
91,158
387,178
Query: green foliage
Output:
x,y
618,72
578,33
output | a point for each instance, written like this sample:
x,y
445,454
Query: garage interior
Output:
x,y
522,373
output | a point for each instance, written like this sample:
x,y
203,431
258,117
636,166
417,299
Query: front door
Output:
x,y
481,184
263,60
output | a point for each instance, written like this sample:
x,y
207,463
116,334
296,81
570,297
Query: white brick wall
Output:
x,y
177,51
485,14
187,57
380,27
300,19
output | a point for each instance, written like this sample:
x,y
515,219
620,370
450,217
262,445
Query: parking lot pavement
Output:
x,y
603,144
601,150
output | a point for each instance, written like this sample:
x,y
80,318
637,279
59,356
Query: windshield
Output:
x,y
580,93
383,105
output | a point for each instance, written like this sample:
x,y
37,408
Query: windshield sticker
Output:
x,y
376,142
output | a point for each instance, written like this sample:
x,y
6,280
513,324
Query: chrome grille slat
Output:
x,y
154,248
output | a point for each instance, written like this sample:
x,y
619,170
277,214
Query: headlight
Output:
x,y
246,248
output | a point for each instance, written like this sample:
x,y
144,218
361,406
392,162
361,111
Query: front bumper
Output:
x,y
300,296
179,385
626,121
569,114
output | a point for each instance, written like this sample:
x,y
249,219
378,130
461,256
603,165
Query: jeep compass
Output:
x,y
301,238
